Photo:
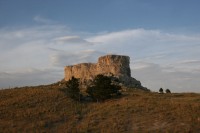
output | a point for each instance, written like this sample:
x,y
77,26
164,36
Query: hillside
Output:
x,y
47,109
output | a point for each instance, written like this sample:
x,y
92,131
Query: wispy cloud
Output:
x,y
155,76
72,40
70,58
31,76
150,43
43,20
190,62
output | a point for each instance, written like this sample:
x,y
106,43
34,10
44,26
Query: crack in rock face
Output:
x,y
108,65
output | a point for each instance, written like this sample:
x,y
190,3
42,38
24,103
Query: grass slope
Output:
x,y
47,109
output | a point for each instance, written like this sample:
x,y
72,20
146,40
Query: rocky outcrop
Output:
x,y
116,65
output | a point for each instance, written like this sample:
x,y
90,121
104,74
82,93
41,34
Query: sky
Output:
x,y
161,37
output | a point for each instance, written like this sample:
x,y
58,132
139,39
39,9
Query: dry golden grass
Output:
x,y
47,109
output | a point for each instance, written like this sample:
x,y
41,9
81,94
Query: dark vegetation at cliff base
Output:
x,y
48,109
100,89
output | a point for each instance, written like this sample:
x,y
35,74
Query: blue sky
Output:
x,y
91,15
162,37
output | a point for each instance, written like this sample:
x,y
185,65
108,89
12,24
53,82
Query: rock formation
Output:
x,y
116,65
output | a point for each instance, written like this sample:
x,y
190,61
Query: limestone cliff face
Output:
x,y
118,65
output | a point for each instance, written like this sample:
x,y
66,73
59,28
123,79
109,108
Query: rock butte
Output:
x,y
116,65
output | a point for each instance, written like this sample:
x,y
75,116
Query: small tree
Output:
x,y
72,88
161,90
102,88
167,91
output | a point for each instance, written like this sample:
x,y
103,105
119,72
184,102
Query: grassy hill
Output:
x,y
47,109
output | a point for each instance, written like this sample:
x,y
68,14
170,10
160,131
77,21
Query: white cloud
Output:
x,y
189,62
65,58
29,77
72,40
40,19
135,34
150,45
155,76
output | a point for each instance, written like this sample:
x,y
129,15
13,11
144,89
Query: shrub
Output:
x,y
72,88
161,90
102,88
167,91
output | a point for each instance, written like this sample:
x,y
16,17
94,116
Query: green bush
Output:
x,y
102,88
161,90
167,91
72,88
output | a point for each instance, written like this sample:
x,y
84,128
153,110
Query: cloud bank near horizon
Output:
x,y
37,55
